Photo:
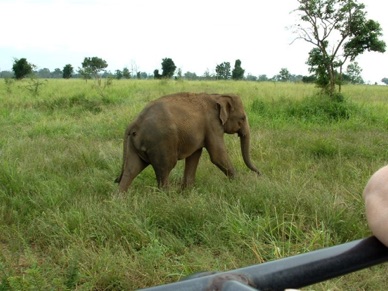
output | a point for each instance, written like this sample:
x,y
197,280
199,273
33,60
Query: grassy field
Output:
x,y
64,226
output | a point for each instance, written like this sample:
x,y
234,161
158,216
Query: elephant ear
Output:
x,y
225,106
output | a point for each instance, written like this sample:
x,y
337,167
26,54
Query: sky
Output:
x,y
196,35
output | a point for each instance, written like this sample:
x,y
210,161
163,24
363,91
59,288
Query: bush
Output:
x,y
322,108
21,68
319,108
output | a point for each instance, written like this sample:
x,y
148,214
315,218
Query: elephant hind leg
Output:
x,y
162,173
130,172
162,165
191,164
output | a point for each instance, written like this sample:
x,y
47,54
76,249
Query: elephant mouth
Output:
x,y
241,134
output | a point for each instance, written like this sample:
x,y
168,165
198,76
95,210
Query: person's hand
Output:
x,y
376,204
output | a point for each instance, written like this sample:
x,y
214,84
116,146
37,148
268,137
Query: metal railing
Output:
x,y
292,272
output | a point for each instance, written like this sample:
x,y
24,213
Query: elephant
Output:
x,y
179,126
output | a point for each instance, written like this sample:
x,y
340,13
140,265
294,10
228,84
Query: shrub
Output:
x,y
319,108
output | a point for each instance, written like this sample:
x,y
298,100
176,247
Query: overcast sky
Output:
x,y
197,35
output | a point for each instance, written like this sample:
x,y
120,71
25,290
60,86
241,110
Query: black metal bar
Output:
x,y
293,272
236,285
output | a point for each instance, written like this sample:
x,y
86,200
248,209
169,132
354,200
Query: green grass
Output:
x,y
64,226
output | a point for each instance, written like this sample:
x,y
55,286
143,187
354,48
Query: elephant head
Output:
x,y
235,120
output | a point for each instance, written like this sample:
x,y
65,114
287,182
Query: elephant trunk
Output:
x,y
245,140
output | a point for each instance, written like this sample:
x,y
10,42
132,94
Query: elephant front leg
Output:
x,y
191,164
220,158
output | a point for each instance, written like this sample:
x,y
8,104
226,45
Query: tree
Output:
x,y
134,68
207,75
237,72
354,72
263,78
6,74
119,74
142,75
318,65
68,71
93,66
251,78
385,81
84,74
44,73
157,75
21,68
309,79
340,31
168,68
190,76
126,73
223,71
58,73
284,75
179,74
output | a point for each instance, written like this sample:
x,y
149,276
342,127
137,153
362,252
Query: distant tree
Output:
x,y
21,68
263,78
85,74
284,75
93,66
118,74
107,74
340,31
237,72
345,79
296,78
168,68
354,72
179,74
223,71
190,76
44,73
309,79
6,74
57,73
142,75
251,78
68,71
157,75
126,73
385,81
207,75
134,68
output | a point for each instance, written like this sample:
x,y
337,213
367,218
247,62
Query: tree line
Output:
x,y
94,68
338,30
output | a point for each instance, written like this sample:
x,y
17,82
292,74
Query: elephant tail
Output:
x,y
125,152
118,179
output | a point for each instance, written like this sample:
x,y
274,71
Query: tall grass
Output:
x,y
63,224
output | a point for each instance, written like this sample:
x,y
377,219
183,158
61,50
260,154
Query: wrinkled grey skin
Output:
x,y
179,126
